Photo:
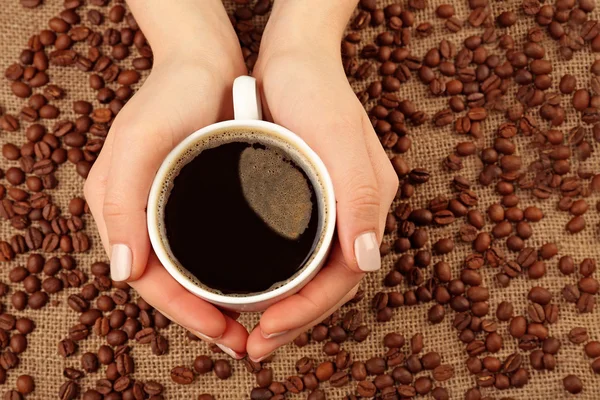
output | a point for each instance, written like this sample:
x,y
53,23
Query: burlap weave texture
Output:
x,y
430,146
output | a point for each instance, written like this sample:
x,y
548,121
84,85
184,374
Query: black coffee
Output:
x,y
241,217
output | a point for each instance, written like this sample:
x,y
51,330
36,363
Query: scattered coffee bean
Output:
x,y
572,384
222,369
182,375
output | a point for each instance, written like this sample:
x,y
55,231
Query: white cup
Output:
x,y
248,115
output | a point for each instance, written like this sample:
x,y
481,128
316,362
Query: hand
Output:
x,y
185,91
305,89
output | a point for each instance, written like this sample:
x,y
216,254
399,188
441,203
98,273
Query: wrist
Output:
x,y
308,24
189,31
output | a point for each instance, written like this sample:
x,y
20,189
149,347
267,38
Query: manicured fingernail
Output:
x,y
261,358
231,353
366,251
272,335
120,262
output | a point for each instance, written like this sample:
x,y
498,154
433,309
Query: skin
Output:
x,y
304,88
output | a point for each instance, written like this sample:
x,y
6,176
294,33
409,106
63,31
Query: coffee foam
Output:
x,y
252,136
276,191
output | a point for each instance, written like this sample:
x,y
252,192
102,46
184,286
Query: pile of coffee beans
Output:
x,y
475,81
389,374
532,156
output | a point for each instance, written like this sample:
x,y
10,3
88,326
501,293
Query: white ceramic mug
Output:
x,y
248,114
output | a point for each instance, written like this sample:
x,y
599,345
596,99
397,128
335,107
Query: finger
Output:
x,y
233,341
259,347
387,179
330,285
358,207
164,293
128,184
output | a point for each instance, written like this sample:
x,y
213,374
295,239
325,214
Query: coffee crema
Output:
x,y
242,212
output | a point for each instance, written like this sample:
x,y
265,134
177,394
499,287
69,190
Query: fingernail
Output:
x,y
272,335
261,358
231,353
366,251
120,262
204,337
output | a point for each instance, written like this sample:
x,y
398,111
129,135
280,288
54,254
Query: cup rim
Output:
x,y
328,223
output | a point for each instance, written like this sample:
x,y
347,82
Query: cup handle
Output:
x,y
246,99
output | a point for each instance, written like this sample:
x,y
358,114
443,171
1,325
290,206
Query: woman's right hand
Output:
x,y
188,88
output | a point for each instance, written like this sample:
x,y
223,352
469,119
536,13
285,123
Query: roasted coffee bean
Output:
x,y
339,379
159,345
105,355
366,389
116,337
504,312
89,362
536,313
436,314
431,360
442,373
423,385
182,375
18,343
343,360
331,348
375,366
264,377
517,326
588,285
24,325
414,364
394,340
337,334
572,384
551,345
587,267
260,394
551,311
443,246
37,300
222,369
538,330
539,295
104,386
358,371
72,373
68,390
324,371
203,364
586,303
592,349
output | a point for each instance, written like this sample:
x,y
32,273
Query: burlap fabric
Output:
x,y
430,146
